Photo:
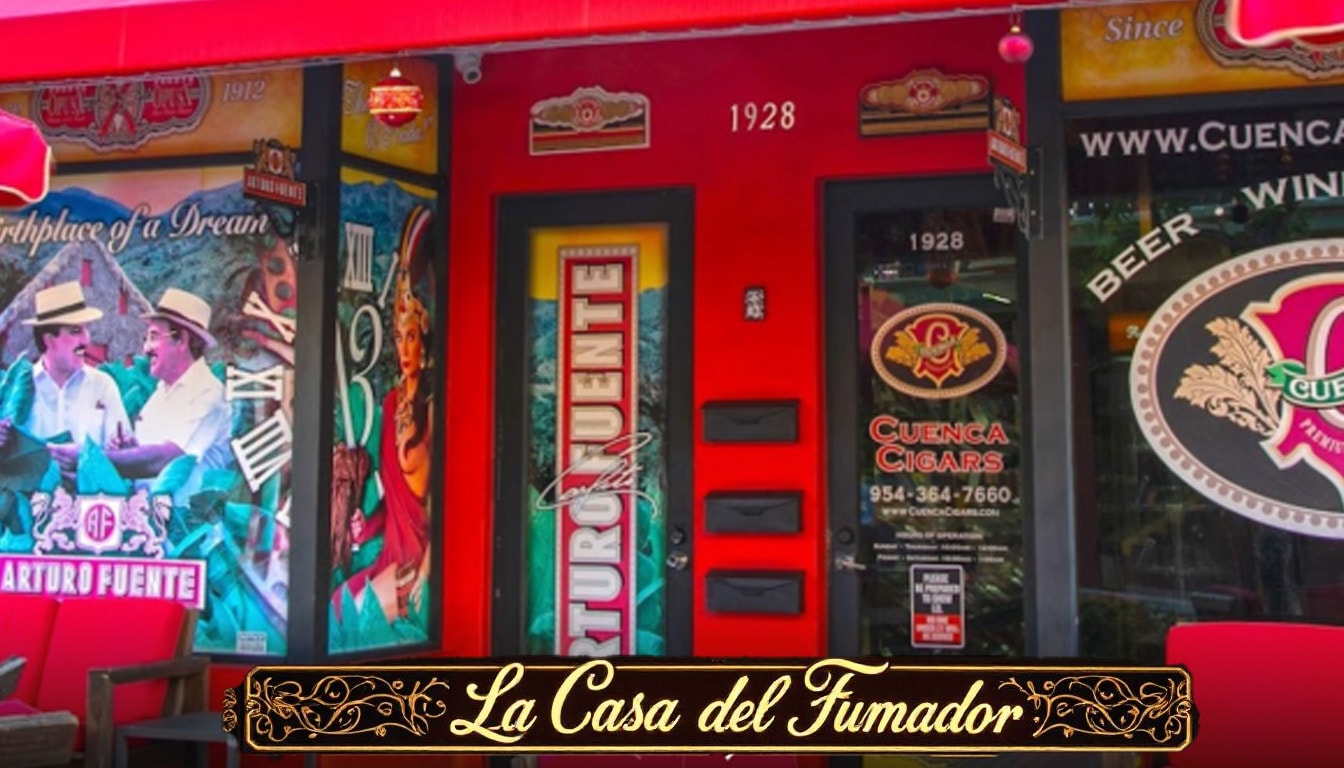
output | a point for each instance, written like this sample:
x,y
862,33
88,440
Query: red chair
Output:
x,y
1267,693
93,664
25,629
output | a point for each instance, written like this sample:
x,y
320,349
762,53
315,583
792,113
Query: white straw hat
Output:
x,y
187,310
62,305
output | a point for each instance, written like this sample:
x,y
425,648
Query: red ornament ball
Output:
x,y
395,100
1016,47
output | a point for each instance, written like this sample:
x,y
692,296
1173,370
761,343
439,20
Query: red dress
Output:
x,y
404,522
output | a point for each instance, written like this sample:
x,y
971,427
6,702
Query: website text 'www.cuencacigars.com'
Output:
x,y
1213,136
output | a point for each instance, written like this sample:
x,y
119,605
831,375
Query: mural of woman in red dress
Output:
x,y
401,568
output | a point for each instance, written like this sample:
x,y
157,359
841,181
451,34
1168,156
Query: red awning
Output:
x,y
47,40
63,39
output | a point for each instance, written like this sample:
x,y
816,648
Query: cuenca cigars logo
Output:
x,y
1241,373
938,351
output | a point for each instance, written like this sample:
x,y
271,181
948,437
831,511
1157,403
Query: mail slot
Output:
x,y
757,421
754,591
754,512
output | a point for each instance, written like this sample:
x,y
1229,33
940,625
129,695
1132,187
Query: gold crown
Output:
x,y
410,311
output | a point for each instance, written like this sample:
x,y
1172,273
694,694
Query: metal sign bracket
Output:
x,y
1023,192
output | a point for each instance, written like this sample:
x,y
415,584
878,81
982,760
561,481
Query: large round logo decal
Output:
x,y
1238,385
939,351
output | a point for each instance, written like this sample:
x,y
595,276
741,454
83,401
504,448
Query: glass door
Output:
x,y
924,420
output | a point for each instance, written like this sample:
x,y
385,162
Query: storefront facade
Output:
x,y
735,144
719,345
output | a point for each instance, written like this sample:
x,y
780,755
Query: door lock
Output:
x,y
678,561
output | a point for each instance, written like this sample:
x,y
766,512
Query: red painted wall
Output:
x,y
757,209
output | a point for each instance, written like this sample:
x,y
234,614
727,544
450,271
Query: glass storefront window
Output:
x,y
1187,234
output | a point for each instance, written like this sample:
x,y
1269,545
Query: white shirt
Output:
x,y
191,413
87,406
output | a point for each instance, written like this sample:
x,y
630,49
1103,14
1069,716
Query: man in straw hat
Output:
x,y
187,413
68,395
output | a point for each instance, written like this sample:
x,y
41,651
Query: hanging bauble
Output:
x,y
1016,47
395,100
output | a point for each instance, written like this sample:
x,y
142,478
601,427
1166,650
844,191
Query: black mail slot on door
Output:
x,y
755,421
754,591
755,512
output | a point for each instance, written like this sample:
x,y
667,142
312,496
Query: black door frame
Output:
x,y
844,202
516,217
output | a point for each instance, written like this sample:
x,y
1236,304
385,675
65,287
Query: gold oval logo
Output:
x,y
939,351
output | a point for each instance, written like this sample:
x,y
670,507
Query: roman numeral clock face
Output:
x,y
268,447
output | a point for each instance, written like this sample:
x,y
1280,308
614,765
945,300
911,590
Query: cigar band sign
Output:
x,y
1247,359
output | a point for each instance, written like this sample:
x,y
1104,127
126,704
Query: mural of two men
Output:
x,y
74,403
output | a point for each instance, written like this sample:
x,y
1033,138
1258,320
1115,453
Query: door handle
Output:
x,y
848,562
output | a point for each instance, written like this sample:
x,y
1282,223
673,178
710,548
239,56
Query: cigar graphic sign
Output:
x,y
596,474
924,101
595,533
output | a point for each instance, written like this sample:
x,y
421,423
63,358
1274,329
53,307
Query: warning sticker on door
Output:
x,y
937,610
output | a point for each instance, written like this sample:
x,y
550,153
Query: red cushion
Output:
x,y
609,761
25,629
10,707
1267,693
667,761
741,761
100,632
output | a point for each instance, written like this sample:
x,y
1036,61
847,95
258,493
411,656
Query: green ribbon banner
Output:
x,y
1301,389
